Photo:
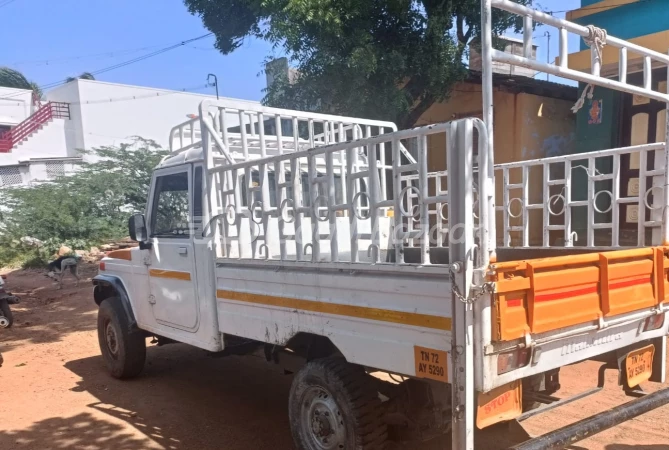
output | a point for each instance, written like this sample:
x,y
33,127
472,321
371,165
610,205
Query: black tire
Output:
x,y
123,349
7,313
340,403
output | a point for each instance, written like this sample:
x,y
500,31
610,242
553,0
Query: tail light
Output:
x,y
654,322
506,362
102,266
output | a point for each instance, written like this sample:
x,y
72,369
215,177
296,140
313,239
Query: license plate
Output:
x,y
639,365
431,363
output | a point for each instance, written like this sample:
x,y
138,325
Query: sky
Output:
x,y
49,40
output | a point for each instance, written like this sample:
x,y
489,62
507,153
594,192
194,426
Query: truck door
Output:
x,y
172,263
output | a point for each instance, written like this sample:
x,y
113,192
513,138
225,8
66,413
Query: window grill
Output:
x,y
10,176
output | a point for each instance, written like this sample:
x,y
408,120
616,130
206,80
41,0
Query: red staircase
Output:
x,y
21,132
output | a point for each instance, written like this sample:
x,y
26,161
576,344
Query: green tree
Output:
x,y
388,59
82,76
14,79
89,206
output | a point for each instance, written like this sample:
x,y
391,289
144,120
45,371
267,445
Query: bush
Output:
x,y
79,210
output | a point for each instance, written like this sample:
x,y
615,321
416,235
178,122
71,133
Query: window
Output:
x,y
10,175
170,217
55,169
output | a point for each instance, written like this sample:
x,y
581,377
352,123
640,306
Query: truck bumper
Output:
x,y
585,428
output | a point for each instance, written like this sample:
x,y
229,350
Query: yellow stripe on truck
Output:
x,y
172,274
360,312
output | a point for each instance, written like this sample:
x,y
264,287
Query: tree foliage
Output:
x,y
387,59
87,207
14,79
82,76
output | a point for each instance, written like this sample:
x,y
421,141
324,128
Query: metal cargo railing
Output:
x,y
540,207
337,209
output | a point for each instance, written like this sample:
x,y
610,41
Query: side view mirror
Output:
x,y
137,228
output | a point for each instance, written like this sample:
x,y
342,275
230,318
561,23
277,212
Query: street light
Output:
x,y
215,83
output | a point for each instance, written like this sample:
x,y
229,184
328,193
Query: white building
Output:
x,y
82,114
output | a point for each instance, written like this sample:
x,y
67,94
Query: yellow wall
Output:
x,y
596,8
527,127
611,55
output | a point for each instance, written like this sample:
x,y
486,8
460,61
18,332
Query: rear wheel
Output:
x,y
123,349
334,405
6,316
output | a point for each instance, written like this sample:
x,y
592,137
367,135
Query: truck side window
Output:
x,y
169,217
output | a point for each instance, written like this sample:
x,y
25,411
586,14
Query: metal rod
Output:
x,y
665,218
579,156
576,75
583,429
373,187
572,27
527,37
488,112
215,83
558,404
422,201
564,47
460,180
548,51
647,73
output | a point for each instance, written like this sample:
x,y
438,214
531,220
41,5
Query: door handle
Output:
x,y
183,250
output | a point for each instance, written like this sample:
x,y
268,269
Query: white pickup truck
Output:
x,y
325,243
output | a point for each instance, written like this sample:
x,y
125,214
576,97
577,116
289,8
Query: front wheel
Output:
x,y
333,405
123,349
6,316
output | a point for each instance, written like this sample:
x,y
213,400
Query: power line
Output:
x,y
150,55
198,87
126,63
2,5
98,55
65,59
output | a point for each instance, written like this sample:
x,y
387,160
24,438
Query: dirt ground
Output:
x,y
56,394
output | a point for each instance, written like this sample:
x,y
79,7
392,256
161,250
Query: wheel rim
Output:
x,y
321,420
111,339
4,322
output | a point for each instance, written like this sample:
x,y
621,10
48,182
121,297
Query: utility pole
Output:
x,y
215,83
548,52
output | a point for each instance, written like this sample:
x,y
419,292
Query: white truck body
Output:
x,y
341,251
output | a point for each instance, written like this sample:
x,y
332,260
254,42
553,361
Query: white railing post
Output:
x,y
398,230
564,49
641,205
488,116
615,196
351,191
315,198
296,182
210,192
373,187
460,215
422,201
665,200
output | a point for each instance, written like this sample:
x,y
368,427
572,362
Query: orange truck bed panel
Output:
x,y
539,295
